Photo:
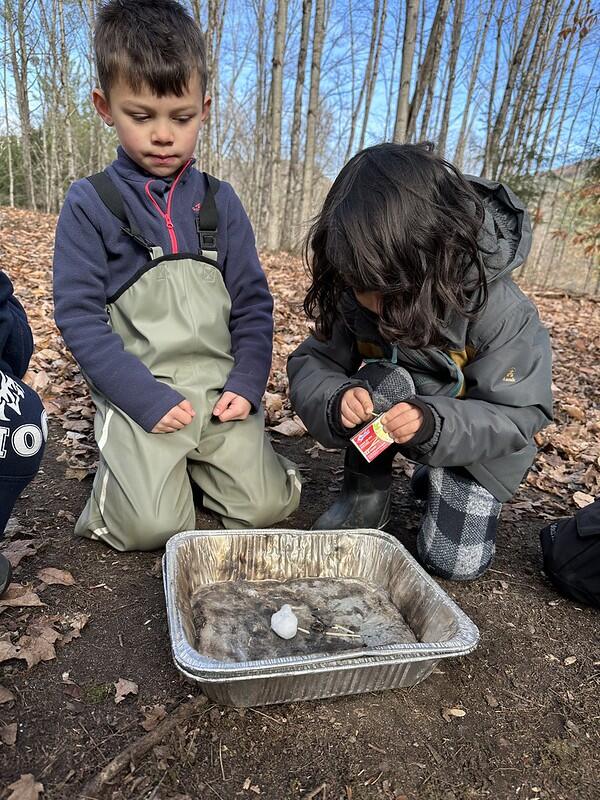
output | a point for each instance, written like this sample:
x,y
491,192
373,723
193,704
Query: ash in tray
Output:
x,y
233,618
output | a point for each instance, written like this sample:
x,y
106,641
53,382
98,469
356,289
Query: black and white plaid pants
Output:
x,y
457,535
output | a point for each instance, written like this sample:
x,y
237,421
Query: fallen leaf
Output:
x,y
26,788
273,402
448,713
39,381
18,549
77,621
76,474
5,695
13,526
37,644
17,596
8,734
153,716
52,575
7,651
581,499
293,427
575,412
123,687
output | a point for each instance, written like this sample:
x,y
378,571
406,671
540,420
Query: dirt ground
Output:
x,y
529,692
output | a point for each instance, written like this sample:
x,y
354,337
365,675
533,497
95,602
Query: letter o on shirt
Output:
x,y
27,440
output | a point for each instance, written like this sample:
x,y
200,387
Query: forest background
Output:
x,y
509,89
504,88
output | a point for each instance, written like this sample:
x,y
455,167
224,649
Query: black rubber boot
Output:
x,y
419,483
366,496
5,573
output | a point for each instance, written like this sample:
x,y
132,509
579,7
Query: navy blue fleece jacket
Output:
x,y
93,258
16,341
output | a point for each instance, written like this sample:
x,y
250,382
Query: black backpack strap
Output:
x,y
112,199
207,220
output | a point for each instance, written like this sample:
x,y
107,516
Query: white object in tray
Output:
x,y
284,622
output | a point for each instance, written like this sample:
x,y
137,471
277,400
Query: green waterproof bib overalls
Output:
x,y
174,316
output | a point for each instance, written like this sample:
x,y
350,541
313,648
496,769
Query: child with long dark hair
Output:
x,y
416,315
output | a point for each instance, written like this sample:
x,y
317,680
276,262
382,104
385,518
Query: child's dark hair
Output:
x,y
401,221
153,43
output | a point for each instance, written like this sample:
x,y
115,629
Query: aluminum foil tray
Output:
x,y
195,558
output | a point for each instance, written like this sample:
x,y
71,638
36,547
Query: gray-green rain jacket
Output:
x,y
490,388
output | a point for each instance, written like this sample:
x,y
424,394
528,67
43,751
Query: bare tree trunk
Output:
x,y
548,109
47,171
391,87
459,7
492,95
291,205
366,77
373,76
480,42
354,105
492,162
557,131
209,145
408,53
16,14
526,91
313,103
438,114
586,149
11,175
427,74
65,86
275,194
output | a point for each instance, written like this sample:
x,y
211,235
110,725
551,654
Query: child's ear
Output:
x,y
102,106
206,107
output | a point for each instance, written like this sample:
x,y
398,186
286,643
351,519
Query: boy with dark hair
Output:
x,y
161,298
23,424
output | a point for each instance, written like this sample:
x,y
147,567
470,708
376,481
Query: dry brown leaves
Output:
x,y
568,465
41,637
123,687
26,788
153,715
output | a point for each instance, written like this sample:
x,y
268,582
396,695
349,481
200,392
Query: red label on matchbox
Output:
x,y
372,439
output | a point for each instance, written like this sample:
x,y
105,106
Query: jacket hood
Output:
x,y
505,236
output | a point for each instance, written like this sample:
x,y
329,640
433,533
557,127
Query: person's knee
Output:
x,y
274,503
23,438
148,531
263,514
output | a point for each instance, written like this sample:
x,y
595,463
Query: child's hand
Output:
x,y
175,419
231,406
402,421
356,407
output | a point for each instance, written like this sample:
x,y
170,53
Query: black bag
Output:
x,y
571,550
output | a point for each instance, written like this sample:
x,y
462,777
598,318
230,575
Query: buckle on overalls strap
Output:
x,y
206,239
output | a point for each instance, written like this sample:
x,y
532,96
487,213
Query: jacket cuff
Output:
x,y
334,406
149,419
427,436
241,387
427,429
